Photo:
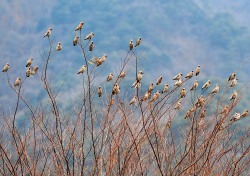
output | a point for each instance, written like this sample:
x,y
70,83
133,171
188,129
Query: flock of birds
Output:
x,y
137,84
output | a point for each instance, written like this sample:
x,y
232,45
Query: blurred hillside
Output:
x,y
176,36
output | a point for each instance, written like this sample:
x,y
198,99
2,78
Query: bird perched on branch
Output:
x,y
133,100
6,68
110,77
91,46
206,85
200,102
190,75
234,96
99,91
28,72
183,92
146,96
89,36
122,75
165,88
138,42
82,69
188,114
29,62
197,71
17,81
231,77
178,76
195,85
59,47
75,41
234,82
178,83
178,105
116,89
34,70
80,26
244,113
131,45
151,86
139,76
155,96
159,80
203,113
235,117
216,89
48,32
103,58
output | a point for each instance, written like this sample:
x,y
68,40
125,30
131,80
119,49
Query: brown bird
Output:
x,y
75,41
89,36
234,82
197,71
216,89
203,113
34,70
131,45
29,62
59,47
178,76
122,75
231,77
165,88
103,58
47,34
82,69
155,96
178,105
139,76
206,85
80,26
234,96
200,102
151,86
17,82
110,77
195,85
116,89
138,42
188,114
133,100
244,113
28,72
190,75
99,91
159,80
146,96
6,68
178,83
224,110
183,92
91,46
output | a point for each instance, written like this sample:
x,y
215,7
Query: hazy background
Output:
x,y
176,37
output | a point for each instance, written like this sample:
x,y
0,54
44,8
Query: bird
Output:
x,y
234,95
190,75
28,72
206,85
48,32
197,71
34,70
136,84
183,92
138,42
59,47
80,26
224,110
139,76
110,77
89,36
75,41
244,113
131,45
29,62
234,82
200,102
116,89
188,114
159,80
17,81
151,86
146,96
236,117
178,76
231,77
82,69
103,58
165,88
133,100
178,105
155,96
122,74
195,85
203,113
178,83
216,89
91,46
99,91
6,67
